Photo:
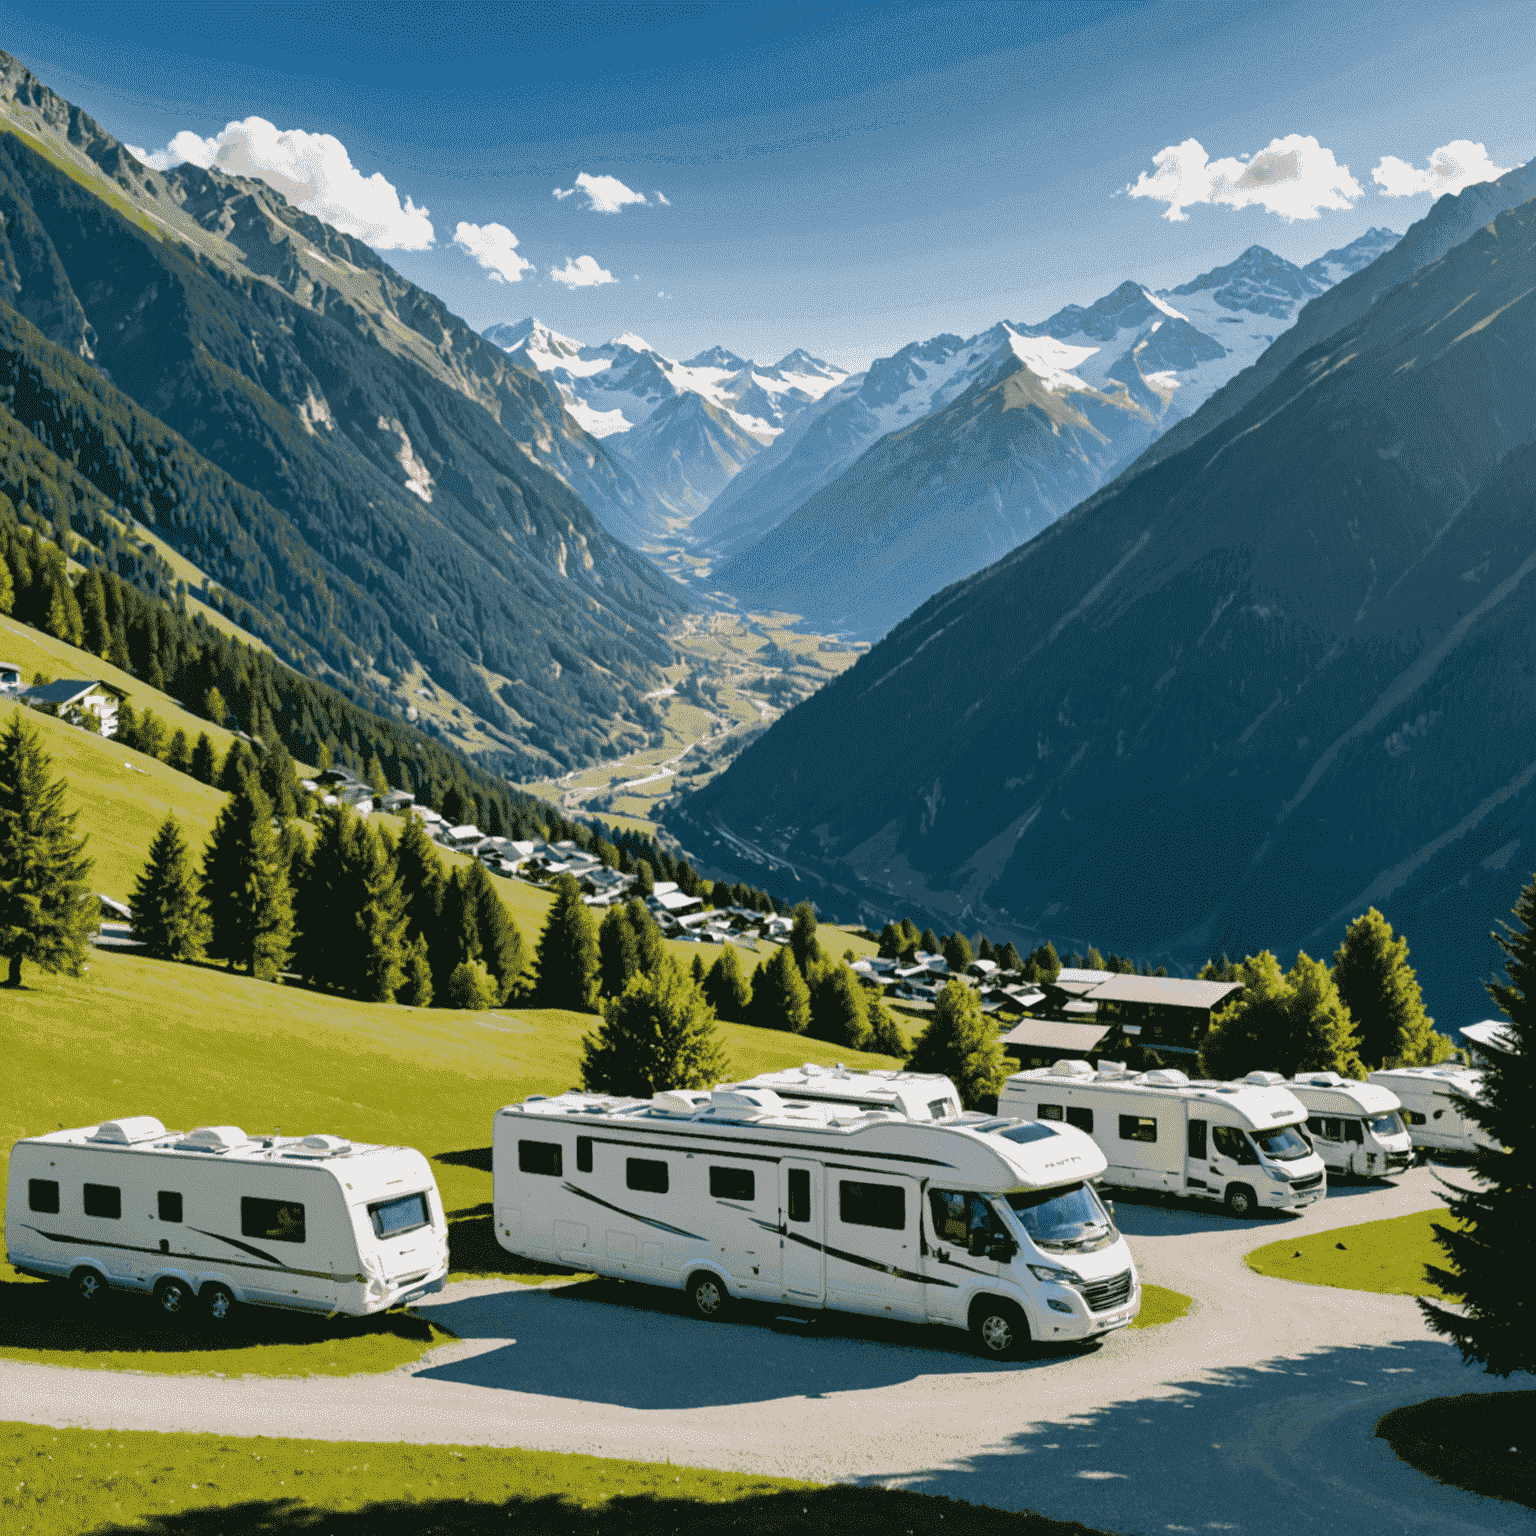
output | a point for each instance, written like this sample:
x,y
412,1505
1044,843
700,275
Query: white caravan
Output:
x,y
1234,1142
215,1217
986,1224
1355,1127
912,1095
1434,1121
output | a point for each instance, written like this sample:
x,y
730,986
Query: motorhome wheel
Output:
x,y
89,1288
1240,1200
174,1298
708,1297
218,1303
1000,1328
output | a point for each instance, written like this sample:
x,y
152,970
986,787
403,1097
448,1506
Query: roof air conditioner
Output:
x,y
320,1146
124,1133
1071,1068
212,1138
1167,1077
1263,1079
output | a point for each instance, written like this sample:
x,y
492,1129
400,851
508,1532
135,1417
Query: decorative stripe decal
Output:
x,y
795,1149
197,1258
255,1253
634,1216
855,1258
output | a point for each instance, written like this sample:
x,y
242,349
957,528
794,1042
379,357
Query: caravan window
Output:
x,y
799,1194
404,1214
539,1157
1049,1112
103,1200
1082,1119
584,1154
646,1174
278,1221
1138,1128
731,1183
872,1205
43,1195
168,1203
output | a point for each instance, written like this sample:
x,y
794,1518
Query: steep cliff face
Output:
x,y
1236,697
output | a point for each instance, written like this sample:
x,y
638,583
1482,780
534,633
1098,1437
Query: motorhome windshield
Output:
x,y
1389,1124
1064,1220
1283,1143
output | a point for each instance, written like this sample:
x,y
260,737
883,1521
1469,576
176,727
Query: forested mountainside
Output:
x,y
382,460
1278,677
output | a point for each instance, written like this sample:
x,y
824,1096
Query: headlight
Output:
x,y
1276,1175
1060,1276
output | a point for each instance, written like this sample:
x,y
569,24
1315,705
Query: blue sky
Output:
x,y
845,178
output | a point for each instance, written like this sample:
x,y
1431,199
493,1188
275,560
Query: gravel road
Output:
x,y
1253,1414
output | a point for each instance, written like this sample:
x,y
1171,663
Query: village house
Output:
x,y
80,701
10,677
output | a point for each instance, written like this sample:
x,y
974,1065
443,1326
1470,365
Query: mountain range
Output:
x,y
1252,687
942,458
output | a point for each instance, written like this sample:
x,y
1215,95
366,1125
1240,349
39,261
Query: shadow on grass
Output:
x,y
1465,1441
473,1250
809,1512
47,1317
471,1157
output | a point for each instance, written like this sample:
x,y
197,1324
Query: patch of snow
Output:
x,y
1168,378
598,423
633,342
418,479
1051,361
1166,308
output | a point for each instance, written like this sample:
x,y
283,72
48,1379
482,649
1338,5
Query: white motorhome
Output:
x,y
980,1223
1233,1142
214,1217
1434,1122
1355,1127
912,1095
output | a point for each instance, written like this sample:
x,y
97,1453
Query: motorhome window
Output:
x,y
1282,1144
1315,1124
43,1195
539,1157
942,1109
872,1205
1413,1117
1230,1143
404,1214
584,1154
1197,1139
1081,1118
1138,1128
168,1204
278,1221
1354,1131
645,1173
1049,1111
1071,1217
1027,1130
957,1214
799,1194
731,1183
1330,1129
1387,1124
103,1200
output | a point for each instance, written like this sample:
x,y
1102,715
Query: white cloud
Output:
x,y
1452,167
1296,177
494,246
605,194
313,171
560,196
583,272
664,200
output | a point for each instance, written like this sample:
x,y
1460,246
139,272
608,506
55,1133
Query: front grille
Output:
x,y
1398,1160
1101,1295
1311,1182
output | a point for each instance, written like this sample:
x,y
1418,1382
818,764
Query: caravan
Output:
x,y
215,1217
1354,1127
978,1222
1233,1142
1434,1121
912,1095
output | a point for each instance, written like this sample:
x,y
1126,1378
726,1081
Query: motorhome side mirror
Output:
x,y
1002,1249
977,1244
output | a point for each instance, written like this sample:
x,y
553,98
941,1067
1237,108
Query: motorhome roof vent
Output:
x,y
1108,1068
745,1103
124,1133
1263,1079
1167,1077
212,1138
679,1103
1069,1068
1320,1080
810,1069
320,1146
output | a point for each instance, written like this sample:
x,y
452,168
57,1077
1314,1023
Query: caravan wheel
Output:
x,y
708,1297
999,1328
89,1288
218,1303
173,1298
1240,1201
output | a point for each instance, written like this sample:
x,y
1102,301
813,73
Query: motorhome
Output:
x,y
980,1222
913,1095
1354,1127
212,1218
1233,1142
1433,1119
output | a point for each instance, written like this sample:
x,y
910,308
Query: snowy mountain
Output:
x,y
684,429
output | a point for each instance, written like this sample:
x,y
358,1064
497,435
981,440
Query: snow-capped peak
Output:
x,y
1167,309
1050,361
633,342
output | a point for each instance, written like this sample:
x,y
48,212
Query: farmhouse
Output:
x,y
79,701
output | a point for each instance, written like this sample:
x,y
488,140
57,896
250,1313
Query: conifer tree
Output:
x,y
780,997
169,917
984,950
501,942
645,881
375,945
961,1042
652,947
374,778
319,898
92,598
726,989
1382,994
1093,960
839,1012
280,780
802,938
455,937
46,911
658,1034
205,759
929,942
421,878
1009,958
178,754
891,942
567,956
214,707
957,953
1321,1030
471,986
416,990
7,588
1281,1023
245,884
885,1033
618,951
239,765
1487,1265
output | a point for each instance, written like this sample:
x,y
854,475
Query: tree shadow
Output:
x,y
474,1250
35,1316
478,1158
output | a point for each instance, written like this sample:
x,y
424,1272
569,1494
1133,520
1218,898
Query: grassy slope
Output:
x,y
1386,1256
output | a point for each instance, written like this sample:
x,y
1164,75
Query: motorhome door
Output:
x,y
802,1231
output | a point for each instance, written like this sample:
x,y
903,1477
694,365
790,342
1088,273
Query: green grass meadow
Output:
x,y
1387,1256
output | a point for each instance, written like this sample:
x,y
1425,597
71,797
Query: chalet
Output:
x,y
465,838
1166,1014
675,904
982,970
78,700
398,800
10,677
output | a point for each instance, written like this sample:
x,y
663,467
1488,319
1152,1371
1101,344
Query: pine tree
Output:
x,y
214,707
179,755
1382,994
455,937
239,765
803,942
618,951
1093,960
984,950
1281,1023
726,989
46,911
891,942
205,760
92,598
421,878
658,1034
319,900
780,997
957,953
169,916
929,942
471,986
645,881
280,780
1321,1030
885,1033
501,943
245,883
652,947
1487,1254
1009,958
373,942
374,778
839,1013
567,956
416,990
961,1042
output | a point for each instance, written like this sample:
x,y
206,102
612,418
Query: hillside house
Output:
x,y
10,677
674,904
982,970
397,800
464,838
80,701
